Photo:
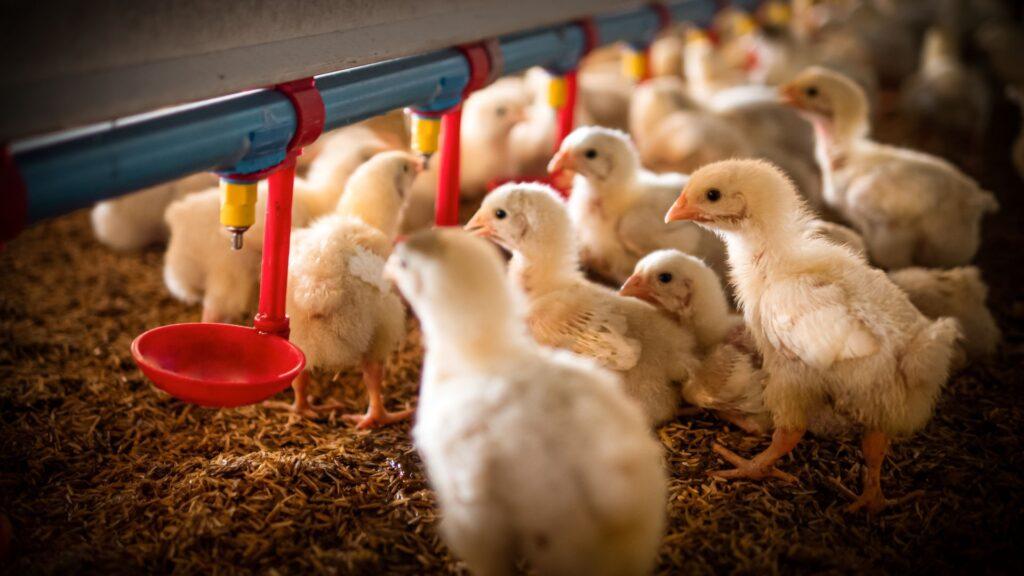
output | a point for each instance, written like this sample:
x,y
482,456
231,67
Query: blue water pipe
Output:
x,y
247,132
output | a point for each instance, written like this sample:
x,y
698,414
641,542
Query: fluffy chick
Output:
x,y
136,221
911,208
536,455
835,334
199,264
342,151
729,381
617,207
343,312
567,311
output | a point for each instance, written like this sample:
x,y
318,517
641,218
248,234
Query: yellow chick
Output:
x,y
536,455
835,334
343,312
911,208
617,207
568,311
136,221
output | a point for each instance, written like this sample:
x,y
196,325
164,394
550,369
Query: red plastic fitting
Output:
x,y
664,16
13,198
485,65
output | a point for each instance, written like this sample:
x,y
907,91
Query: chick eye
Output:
x,y
665,277
590,153
811,91
714,195
500,214
405,168
501,111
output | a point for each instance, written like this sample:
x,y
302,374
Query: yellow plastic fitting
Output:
x,y
778,13
237,204
634,64
742,25
426,132
558,91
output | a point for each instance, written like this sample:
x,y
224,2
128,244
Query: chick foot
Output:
x,y
875,445
301,406
763,465
376,415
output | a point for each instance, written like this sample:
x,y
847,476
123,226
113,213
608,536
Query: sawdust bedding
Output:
x,y
99,471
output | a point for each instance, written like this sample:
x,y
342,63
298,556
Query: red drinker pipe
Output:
x,y
446,210
271,317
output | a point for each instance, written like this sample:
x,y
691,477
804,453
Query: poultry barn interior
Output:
x,y
452,287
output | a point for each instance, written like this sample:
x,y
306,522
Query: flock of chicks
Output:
x,y
746,158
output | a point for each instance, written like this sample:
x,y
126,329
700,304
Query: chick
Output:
x,y
957,293
834,333
617,207
945,101
729,381
536,455
343,312
488,117
199,264
567,311
136,221
911,208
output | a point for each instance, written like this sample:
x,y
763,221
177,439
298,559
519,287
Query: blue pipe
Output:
x,y
251,131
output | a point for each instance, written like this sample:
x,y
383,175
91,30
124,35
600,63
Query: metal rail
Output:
x,y
249,131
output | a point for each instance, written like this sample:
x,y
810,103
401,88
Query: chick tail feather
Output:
x,y
926,366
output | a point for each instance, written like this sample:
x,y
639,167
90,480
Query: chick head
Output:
x,y
378,189
494,111
734,194
523,217
602,155
823,93
445,272
667,279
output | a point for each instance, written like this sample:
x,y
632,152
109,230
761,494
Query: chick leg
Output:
x,y
762,465
300,406
376,415
875,445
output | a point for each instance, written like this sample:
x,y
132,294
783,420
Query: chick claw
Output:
x,y
747,468
371,420
874,502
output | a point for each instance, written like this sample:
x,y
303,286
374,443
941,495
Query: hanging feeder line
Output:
x,y
74,169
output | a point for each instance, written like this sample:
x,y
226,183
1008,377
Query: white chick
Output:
x,y
536,455
199,264
343,312
706,69
488,117
567,311
673,134
342,151
835,334
945,101
729,381
136,220
617,207
957,293
911,208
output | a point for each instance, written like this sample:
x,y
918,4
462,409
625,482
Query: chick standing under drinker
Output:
x,y
911,208
618,208
534,454
833,332
343,312
567,311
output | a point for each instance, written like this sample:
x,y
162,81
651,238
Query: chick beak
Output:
x,y
636,286
563,160
790,95
681,210
420,164
480,225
